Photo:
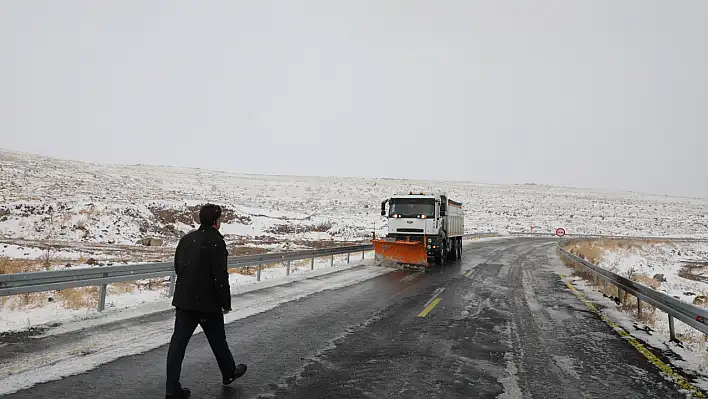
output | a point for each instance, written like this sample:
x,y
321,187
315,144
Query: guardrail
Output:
x,y
693,316
21,283
613,237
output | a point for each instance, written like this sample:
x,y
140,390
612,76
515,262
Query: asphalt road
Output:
x,y
499,323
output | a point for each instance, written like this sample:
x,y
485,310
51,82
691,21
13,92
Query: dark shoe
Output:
x,y
184,394
238,373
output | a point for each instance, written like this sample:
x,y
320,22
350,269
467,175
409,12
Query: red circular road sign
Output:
x,y
560,232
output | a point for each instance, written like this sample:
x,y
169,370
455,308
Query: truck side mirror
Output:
x,y
383,208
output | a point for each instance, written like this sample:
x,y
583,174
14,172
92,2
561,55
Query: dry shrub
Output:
x,y
246,271
27,300
48,256
190,215
646,280
253,270
648,315
122,287
151,284
89,211
587,250
305,264
10,266
237,250
78,298
591,250
297,228
608,289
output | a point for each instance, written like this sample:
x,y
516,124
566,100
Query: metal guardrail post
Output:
x,y
619,295
331,260
348,257
102,295
258,273
287,268
672,329
312,263
362,254
173,282
639,308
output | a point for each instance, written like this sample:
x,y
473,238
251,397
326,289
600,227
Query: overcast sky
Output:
x,y
604,94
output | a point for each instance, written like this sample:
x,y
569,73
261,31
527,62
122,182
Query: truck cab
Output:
x,y
429,218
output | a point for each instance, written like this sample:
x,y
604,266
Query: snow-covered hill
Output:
x,y
46,198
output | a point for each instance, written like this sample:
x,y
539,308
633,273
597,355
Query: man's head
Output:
x,y
209,215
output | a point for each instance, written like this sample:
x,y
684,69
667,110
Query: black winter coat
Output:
x,y
202,276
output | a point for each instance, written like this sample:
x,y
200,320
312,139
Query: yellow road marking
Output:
x,y
429,308
469,273
665,368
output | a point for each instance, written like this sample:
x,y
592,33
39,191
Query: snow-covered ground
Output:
x,y
45,198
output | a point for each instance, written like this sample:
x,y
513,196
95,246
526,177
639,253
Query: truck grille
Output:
x,y
409,230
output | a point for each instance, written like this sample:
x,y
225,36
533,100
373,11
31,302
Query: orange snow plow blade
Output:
x,y
405,252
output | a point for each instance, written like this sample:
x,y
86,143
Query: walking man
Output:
x,y
202,297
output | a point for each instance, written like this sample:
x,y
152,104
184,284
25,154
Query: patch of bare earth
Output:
x,y
167,217
695,271
292,228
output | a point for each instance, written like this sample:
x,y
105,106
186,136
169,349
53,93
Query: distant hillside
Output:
x,y
46,198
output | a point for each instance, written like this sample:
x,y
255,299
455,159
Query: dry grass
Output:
x,y
151,284
124,287
78,298
48,256
646,280
591,250
253,270
24,301
10,266
297,228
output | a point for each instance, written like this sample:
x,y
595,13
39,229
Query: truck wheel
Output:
x,y
453,250
459,248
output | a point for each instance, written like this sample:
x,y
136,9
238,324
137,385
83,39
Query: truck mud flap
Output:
x,y
403,252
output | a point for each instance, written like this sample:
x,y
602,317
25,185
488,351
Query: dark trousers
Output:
x,y
185,324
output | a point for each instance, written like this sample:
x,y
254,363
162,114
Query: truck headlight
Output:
x,y
430,240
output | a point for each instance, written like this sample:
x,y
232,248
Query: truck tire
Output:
x,y
459,248
453,250
445,255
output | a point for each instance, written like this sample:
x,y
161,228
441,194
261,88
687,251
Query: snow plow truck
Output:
x,y
424,229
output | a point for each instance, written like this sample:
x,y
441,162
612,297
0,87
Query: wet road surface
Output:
x,y
498,323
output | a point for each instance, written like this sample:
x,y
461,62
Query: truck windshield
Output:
x,y
412,207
